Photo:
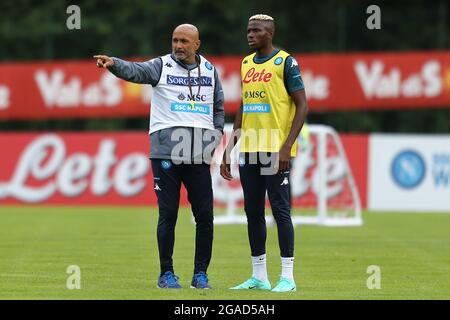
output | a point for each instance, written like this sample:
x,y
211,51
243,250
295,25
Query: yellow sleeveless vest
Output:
x,y
268,109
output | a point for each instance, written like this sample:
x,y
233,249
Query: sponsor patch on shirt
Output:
x,y
257,107
184,81
208,65
188,107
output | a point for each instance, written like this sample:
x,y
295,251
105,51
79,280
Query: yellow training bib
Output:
x,y
268,109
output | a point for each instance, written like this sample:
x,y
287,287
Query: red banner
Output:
x,y
76,169
114,169
377,80
77,89
67,90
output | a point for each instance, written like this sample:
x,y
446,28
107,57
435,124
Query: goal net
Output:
x,y
323,190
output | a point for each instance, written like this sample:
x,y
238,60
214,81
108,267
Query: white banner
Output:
x,y
409,172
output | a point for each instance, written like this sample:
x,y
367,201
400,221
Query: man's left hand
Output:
x,y
284,158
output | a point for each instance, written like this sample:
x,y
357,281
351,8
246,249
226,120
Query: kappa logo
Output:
x,y
168,65
157,188
285,182
294,63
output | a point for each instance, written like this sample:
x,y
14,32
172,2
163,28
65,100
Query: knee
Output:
x,y
204,216
168,208
254,211
282,216
168,216
255,219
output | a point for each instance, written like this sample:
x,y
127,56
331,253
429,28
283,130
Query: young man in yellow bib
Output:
x,y
272,114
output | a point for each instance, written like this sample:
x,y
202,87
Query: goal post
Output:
x,y
345,210
323,189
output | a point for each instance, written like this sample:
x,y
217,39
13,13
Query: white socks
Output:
x,y
287,268
260,269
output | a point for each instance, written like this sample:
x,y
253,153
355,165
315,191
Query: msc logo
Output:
x,y
254,94
408,169
192,97
253,76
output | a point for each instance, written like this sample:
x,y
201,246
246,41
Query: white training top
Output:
x,y
174,103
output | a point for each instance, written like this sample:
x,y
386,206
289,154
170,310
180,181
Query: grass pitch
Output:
x,y
116,251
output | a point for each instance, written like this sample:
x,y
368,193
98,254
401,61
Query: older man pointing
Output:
x,y
186,124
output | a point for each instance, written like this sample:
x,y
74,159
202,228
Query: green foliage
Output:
x,y
32,30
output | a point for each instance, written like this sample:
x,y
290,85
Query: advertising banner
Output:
x,y
351,81
409,173
113,169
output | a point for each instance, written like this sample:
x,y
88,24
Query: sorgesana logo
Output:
x,y
184,81
408,169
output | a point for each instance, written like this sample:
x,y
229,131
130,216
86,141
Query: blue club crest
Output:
x,y
278,61
208,65
166,164
408,169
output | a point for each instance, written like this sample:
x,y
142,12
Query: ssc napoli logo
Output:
x,y
408,169
208,65
278,61
166,164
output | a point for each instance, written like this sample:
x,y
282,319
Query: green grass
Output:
x,y
116,251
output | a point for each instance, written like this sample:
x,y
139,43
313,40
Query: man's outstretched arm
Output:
x,y
147,72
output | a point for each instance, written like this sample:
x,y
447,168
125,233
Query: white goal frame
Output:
x,y
322,216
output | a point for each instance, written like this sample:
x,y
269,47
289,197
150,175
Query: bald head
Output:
x,y
185,42
188,29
